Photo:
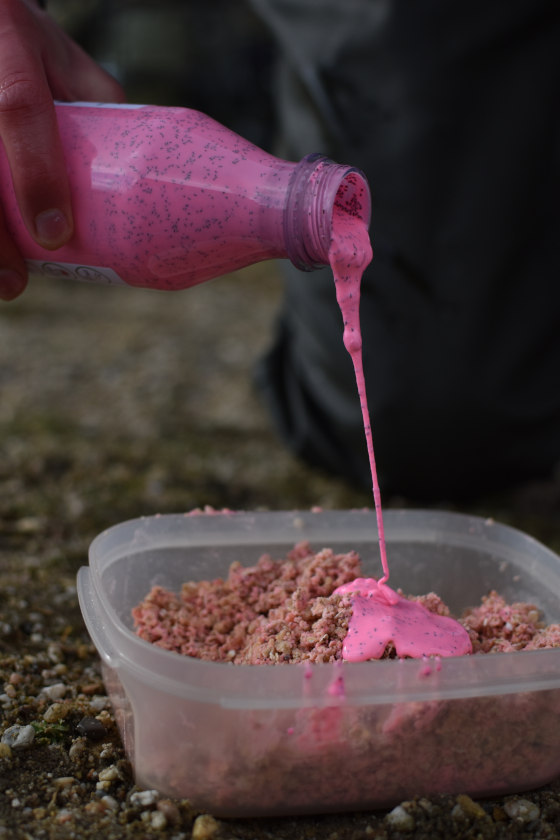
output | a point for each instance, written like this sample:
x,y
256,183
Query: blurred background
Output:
x,y
213,56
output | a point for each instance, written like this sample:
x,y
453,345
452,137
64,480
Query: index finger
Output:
x,y
29,133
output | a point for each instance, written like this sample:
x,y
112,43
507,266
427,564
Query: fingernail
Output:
x,y
11,284
52,228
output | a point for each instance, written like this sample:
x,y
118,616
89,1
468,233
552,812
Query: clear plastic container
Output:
x,y
241,740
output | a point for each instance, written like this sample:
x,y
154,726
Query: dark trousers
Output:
x,y
453,112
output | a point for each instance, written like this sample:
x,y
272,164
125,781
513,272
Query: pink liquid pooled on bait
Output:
x,y
379,614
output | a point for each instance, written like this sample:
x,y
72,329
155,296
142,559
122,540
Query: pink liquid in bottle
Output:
x,y
168,197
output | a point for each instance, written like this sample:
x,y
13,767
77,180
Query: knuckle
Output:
x,y
19,94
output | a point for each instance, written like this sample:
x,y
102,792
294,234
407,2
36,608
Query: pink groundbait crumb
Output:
x,y
285,611
275,611
497,627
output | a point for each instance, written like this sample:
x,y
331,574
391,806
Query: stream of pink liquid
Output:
x,y
379,614
349,255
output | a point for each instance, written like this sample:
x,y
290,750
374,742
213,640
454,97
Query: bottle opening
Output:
x,y
318,185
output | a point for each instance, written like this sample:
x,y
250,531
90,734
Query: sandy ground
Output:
x,y
116,403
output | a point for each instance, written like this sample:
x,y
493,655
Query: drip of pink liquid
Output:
x,y
379,614
349,255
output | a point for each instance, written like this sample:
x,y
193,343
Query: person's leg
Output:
x,y
451,110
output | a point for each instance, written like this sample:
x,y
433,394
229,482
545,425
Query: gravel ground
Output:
x,y
117,403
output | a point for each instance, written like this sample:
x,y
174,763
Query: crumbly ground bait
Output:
x,y
282,611
275,611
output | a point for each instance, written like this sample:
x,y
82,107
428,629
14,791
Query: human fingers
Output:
x,y
29,134
13,275
39,61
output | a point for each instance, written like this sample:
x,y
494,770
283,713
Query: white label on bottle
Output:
x,y
75,271
129,106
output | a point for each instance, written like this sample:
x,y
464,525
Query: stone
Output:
x,y
522,810
400,819
18,737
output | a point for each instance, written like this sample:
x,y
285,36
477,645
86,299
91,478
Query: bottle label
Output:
x,y
122,106
75,271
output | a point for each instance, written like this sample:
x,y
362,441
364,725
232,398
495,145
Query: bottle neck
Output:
x,y
316,186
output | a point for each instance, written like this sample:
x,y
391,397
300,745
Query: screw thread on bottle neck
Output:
x,y
317,185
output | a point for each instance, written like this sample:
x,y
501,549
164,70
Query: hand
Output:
x,y
39,62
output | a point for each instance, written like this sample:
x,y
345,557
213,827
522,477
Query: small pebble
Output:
x,y
158,820
205,828
56,691
110,803
143,798
64,816
56,713
18,737
99,703
64,781
109,774
169,810
426,805
94,807
78,749
5,752
108,752
468,807
28,524
91,688
54,652
522,810
92,729
400,819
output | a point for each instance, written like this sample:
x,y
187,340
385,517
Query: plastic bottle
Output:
x,y
168,198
